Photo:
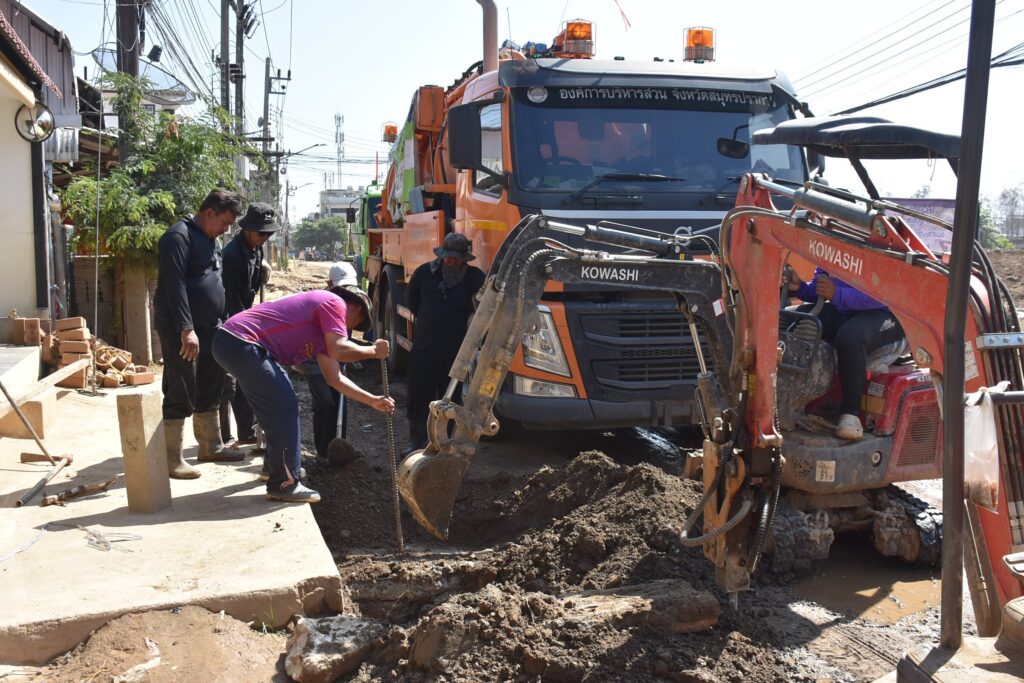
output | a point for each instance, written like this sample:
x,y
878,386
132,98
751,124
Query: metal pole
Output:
x,y
240,68
225,57
266,130
965,228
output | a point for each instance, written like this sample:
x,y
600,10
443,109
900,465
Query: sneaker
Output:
x,y
265,473
850,428
296,493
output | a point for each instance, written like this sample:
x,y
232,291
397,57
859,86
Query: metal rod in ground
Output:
x,y
392,458
28,425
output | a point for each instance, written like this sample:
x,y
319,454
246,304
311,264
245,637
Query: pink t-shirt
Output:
x,y
292,328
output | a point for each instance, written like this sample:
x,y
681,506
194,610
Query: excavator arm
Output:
x,y
429,480
866,243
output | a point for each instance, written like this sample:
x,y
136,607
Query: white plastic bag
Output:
x,y
981,448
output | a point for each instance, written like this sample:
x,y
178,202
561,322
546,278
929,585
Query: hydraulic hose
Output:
x,y
744,510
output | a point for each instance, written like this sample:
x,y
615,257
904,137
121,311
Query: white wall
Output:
x,y
17,243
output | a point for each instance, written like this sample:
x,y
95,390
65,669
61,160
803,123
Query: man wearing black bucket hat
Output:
x,y
440,296
244,271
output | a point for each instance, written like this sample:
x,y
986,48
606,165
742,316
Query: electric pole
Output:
x,y
339,139
266,108
128,37
268,90
225,59
238,67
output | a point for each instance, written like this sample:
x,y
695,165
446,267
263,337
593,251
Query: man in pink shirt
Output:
x,y
254,345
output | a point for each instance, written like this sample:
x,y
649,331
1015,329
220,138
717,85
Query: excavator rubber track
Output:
x,y
928,521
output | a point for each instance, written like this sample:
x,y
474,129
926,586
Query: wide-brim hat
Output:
x,y
455,244
353,295
260,217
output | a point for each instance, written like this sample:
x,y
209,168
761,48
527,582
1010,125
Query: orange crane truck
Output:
x,y
660,145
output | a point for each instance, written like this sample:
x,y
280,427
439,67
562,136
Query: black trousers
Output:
x,y
190,386
426,381
326,403
233,400
854,336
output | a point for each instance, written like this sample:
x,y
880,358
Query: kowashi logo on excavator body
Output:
x,y
607,273
828,255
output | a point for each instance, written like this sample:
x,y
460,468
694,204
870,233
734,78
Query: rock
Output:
x,y
322,650
670,604
441,635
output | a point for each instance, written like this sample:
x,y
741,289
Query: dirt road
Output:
x,y
550,515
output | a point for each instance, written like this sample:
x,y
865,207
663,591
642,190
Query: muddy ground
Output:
x,y
544,520
1009,263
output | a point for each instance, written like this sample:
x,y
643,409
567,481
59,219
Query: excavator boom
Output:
x,y
429,480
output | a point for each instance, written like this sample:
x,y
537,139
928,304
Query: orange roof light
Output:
x,y
700,44
575,40
390,132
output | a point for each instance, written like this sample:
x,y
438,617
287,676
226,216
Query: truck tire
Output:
x,y
398,360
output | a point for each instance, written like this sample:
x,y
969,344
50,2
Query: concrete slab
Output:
x,y
220,545
19,367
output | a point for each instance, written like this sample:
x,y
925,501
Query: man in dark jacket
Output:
x,y
189,306
440,296
244,272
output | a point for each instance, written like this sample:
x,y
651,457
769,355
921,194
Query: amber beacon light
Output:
x,y
577,39
700,44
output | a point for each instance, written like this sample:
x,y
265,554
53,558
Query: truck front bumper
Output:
x,y
576,413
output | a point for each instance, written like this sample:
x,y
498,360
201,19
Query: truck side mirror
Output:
x,y
464,137
350,215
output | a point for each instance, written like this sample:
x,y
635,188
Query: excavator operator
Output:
x,y
855,325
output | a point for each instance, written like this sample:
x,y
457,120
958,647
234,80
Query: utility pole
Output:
x,y
287,221
339,139
268,90
128,37
238,67
225,59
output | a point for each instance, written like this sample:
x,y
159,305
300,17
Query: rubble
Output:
x,y
322,650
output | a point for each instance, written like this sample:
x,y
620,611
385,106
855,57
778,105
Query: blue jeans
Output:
x,y
273,401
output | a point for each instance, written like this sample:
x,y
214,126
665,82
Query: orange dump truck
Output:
x,y
552,131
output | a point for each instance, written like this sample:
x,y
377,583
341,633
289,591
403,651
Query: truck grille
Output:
x,y
633,351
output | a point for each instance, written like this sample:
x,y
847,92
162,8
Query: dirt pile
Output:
x,y
1009,264
573,574
183,644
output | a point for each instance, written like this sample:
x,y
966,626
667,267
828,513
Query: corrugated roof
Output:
x,y
8,33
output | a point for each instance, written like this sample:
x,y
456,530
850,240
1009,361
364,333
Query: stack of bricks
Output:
x,y
27,331
75,344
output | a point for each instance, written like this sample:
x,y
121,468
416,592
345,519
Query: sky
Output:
x,y
364,60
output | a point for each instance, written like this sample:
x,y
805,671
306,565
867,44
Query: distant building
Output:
x,y
337,201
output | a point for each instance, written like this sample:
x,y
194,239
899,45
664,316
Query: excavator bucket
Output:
x,y
429,483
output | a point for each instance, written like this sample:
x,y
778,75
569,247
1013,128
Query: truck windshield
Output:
x,y
561,146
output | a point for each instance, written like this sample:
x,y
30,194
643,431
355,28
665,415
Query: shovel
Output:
x,y
339,451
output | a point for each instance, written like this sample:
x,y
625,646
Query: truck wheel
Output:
x,y
398,360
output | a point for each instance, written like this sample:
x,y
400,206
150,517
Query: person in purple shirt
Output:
x,y
254,345
855,325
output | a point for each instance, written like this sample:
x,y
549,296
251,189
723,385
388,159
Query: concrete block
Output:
x,y
79,380
40,412
137,378
69,358
78,334
140,420
26,332
69,323
74,347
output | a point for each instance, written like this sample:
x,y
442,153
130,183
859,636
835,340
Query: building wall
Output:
x,y
18,273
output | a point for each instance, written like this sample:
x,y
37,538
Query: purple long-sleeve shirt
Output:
x,y
847,300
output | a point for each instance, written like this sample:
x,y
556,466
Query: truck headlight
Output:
x,y
524,386
542,349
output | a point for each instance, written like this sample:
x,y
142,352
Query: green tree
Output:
x,y
322,235
988,232
171,163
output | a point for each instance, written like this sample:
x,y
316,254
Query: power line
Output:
x,y
853,48
908,58
861,60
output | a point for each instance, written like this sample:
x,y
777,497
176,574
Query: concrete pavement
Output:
x,y
221,544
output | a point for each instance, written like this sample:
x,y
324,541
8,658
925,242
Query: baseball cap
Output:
x,y
342,273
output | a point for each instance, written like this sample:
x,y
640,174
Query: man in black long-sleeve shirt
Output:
x,y
243,277
189,306
440,295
